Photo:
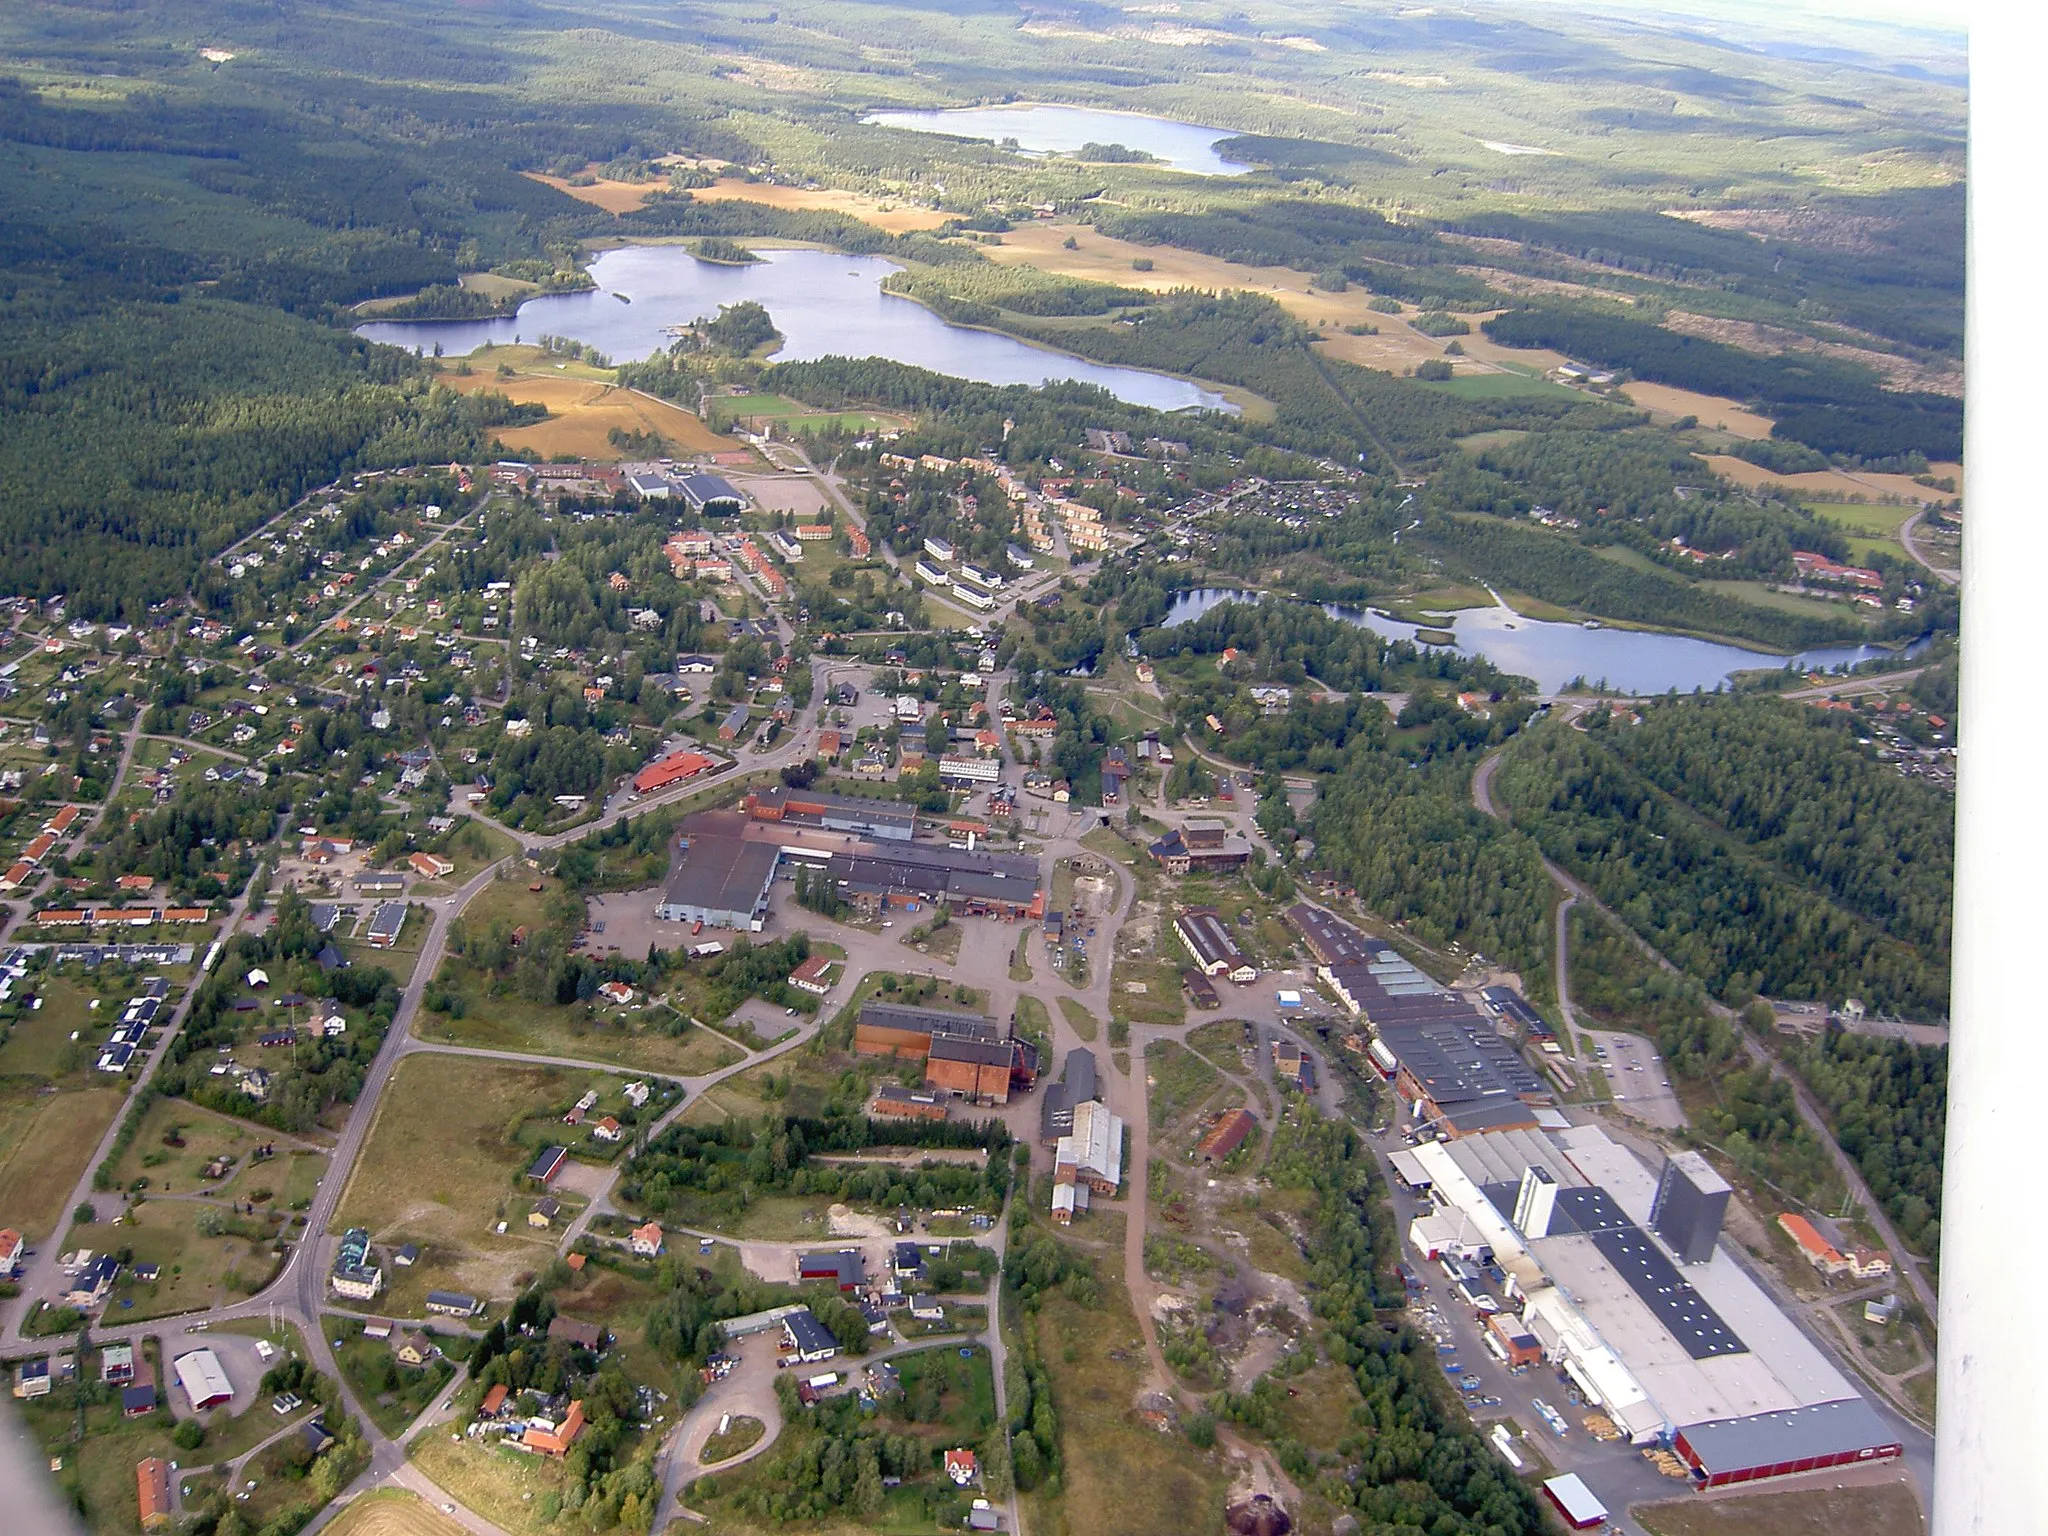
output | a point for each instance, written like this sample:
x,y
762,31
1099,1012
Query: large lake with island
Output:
x,y
1632,660
824,304
1052,130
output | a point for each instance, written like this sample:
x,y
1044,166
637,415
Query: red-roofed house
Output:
x,y
811,975
1820,1253
556,1441
647,1240
153,1491
673,769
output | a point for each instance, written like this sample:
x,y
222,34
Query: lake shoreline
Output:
x,y
667,283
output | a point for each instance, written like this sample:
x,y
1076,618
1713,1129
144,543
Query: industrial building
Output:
x,y
1203,845
1208,940
1808,1439
1699,1356
1088,1161
1444,1056
202,1379
711,495
721,877
877,819
1076,1086
1691,1200
971,882
964,1053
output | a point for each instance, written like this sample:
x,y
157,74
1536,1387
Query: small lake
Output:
x,y
825,305
1635,661
1048,130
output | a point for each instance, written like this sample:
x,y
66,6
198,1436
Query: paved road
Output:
x,y
1947,575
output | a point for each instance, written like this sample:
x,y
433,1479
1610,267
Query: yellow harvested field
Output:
x,y
55,1143
1712,410
1099,258
586,410
611,196
896,218
388,1512
1836,482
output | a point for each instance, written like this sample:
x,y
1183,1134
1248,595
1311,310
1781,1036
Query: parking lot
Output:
x,y
1638,1076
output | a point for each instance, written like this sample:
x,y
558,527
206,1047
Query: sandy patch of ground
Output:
x,y
611,196
765,75
844,1221
1834,482
585,411
882,212
1712,410
1804,226
804,497
1548,287
585,1179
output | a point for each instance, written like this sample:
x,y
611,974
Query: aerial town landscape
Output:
x,y
729,801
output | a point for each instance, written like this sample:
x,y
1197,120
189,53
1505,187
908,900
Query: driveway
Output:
x,y
749,1391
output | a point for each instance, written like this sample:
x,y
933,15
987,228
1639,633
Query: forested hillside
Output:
x,y
1749,906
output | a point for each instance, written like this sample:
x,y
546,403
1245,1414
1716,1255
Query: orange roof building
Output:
x,y
153,1491
673,769
556,1441
1820,1253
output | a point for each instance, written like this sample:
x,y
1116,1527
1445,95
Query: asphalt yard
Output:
x,y
1638,1076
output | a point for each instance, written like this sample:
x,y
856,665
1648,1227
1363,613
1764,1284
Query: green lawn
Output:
x,y
1179,1080
1079,1019
196,1271
46,1143
1496,386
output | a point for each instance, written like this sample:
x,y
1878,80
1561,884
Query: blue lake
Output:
x,y
1632,660
1050,130
825,305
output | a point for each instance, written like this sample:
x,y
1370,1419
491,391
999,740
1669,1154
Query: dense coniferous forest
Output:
x,y
1888,1102
1573,576
1732,904
1798,788
1835,408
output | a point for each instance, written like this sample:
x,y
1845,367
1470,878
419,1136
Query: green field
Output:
x,y
1500,386
760,410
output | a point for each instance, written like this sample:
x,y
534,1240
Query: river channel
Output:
x,y
1635,661
824,304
